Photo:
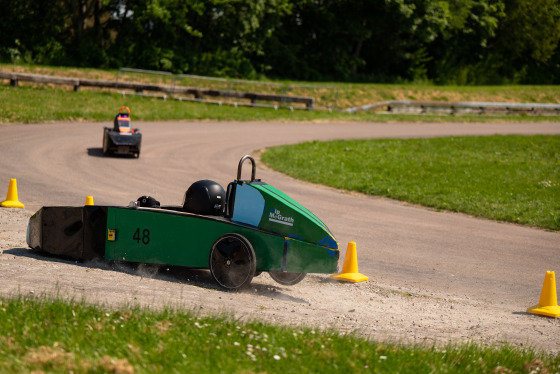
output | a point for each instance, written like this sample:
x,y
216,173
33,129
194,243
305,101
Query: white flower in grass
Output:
x,y
236,344
276,357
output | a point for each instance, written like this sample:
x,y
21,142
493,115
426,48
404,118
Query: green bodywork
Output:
x,y
280,213
284,235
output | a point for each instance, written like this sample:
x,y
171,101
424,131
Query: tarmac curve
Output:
x,y
404,249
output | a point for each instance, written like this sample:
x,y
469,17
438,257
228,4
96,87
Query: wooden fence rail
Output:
x,y
140,87
457,107
199,94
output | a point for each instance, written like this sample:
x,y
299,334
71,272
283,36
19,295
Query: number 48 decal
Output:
x,y
143,236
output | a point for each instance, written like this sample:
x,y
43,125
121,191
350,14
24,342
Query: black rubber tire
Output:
x,y
285,278
106,151
232,262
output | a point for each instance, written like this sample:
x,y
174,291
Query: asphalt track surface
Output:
x,y
401,244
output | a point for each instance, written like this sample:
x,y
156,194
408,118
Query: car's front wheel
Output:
x,y
285,278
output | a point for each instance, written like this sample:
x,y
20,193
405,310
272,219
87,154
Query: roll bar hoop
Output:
x,y
253,169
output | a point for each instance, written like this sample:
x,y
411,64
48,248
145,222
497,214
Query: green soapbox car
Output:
x,y
237,234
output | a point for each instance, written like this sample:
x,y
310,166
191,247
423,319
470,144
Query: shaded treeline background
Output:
x,y
447,42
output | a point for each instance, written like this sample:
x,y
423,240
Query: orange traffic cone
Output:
x,y
89,200
548,303
350,267
12,197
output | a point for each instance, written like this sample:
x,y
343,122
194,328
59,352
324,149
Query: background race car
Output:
x,y
122,138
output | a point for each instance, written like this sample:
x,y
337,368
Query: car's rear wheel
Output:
x,y
285,278
232,262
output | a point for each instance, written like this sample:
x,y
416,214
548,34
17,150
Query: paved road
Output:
x,y
398,244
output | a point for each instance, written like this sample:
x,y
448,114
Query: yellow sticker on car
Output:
x,y
111,235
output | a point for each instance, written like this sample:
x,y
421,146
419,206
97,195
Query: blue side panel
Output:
x,y
249,205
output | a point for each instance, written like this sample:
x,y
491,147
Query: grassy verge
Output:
x,y
508,178
44,104
39,335
342,95
36,103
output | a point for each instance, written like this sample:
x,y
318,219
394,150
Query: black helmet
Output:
x,y
205,197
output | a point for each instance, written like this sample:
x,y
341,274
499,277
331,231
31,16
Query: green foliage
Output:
x,y
462,51
540,32
444,41
218,38
31,31
528,39
508,178
58,336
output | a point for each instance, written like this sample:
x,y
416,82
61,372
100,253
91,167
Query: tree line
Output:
x,y
445,42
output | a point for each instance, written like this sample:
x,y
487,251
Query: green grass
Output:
x,y
38,103
56,336
44,104
331,94
507,178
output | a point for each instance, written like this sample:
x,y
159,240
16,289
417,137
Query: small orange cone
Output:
x,y
12,197
350,267
89,200
548,303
